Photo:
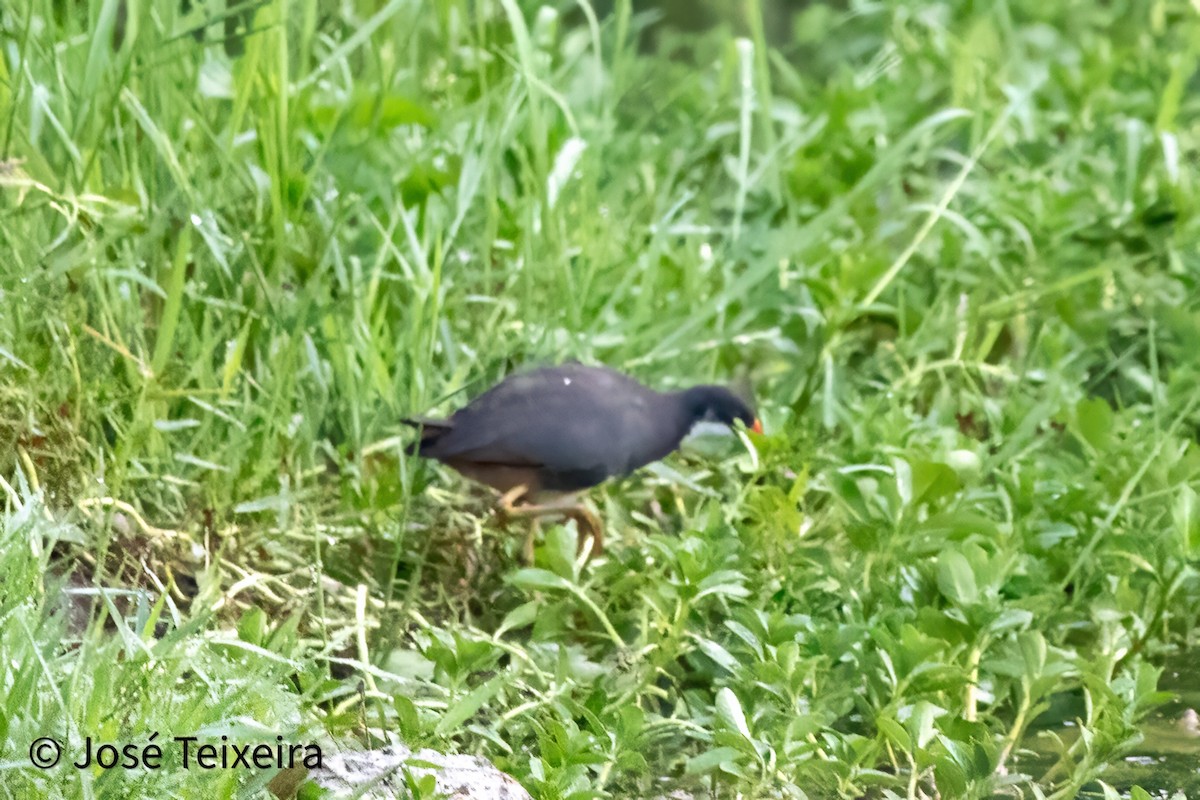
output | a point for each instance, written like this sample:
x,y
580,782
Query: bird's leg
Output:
x,y
508,500
530,538
585,520
507,508
589,526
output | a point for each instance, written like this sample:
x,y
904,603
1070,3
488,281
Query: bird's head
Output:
x,y
718,404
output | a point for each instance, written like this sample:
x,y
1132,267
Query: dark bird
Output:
x,y
541,437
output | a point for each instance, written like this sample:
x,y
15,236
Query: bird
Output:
x,y
541,437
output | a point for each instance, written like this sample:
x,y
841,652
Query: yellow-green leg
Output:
x,y
586,521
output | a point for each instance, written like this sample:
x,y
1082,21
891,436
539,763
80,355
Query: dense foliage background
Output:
x,y
953,243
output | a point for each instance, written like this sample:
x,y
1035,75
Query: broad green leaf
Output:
x,y
950,777
710,760
931,481
717,653
538,578
560,550
1187,520
519,617
1033,649
729,711
252,627
918,719
956,579
465,707
746,635
726,583
407,720
894,732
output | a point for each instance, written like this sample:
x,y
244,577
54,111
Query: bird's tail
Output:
x,y
428,432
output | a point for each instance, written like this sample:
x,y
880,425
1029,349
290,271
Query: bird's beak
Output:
x,y
757,426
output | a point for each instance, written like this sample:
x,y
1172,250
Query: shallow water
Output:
x,y
1166,761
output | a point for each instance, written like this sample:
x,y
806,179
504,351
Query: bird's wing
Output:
x,y
553,421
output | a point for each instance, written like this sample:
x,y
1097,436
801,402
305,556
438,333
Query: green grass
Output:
x,y
954,243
